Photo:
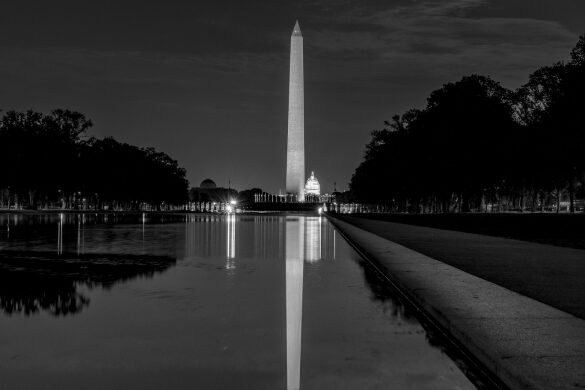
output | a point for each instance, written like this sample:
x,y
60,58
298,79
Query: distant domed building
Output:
x,y
312,187
208,184
208,191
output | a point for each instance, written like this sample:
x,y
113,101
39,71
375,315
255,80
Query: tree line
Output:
x,y
47,160
479,146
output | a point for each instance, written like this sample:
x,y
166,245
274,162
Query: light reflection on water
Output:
x,y
221,302
295,251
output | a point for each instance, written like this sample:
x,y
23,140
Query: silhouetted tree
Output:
x,y
442,156
477,143
46,158
247,196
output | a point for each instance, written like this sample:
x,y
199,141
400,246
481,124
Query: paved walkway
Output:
x,y
527,344
550,274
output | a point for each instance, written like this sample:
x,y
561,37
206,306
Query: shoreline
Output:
x,y
524,343
175,213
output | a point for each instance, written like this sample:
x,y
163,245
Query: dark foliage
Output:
x,y
218,194
477,144
32,282
247,196
46,159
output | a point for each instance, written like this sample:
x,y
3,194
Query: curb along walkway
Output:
x,y
550,274
525,343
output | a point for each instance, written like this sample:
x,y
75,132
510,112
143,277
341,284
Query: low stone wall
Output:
x,y
525,344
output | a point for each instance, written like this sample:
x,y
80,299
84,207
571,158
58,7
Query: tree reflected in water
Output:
x,y
32,282
395,304
391,300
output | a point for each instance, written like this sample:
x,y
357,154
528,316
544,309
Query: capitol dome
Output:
x,y
208,184
312,187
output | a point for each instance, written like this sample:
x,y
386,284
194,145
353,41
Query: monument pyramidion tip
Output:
x,y
297,29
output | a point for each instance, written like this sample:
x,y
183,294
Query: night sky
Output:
x,y
207,82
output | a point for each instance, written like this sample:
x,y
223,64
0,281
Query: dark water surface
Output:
x,y
202,302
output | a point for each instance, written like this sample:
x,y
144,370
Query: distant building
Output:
x,y
312,187
208,184
208,191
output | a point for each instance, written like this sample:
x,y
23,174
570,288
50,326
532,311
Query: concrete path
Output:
x,y
550,274
525,343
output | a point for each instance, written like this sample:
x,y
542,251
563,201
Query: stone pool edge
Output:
x,y
522,342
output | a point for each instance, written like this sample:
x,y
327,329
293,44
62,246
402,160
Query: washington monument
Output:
x,y
295,153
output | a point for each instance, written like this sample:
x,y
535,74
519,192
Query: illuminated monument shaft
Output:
x,y
295,156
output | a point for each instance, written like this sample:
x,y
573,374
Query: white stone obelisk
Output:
x,y
295,153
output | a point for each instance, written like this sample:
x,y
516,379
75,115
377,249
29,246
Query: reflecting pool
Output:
x,y
99,301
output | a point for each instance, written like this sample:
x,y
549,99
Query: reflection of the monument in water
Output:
x,y
231,242
295,250
303,243
238,237
294,239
